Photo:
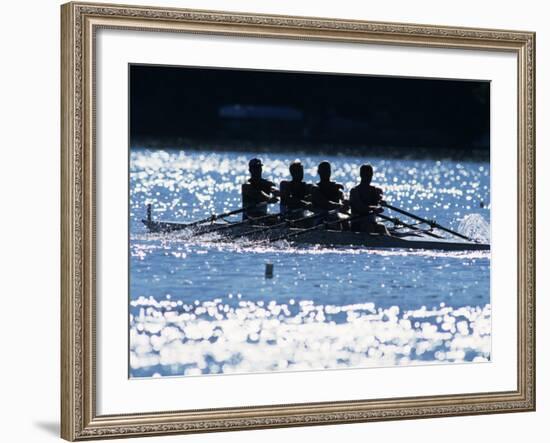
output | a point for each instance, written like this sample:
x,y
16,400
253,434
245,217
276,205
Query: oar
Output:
x,y
396,221
431,223
320,226
215,217
284,224
233,225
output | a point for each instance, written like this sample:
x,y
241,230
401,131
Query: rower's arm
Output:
x,y
379,195
357,203
306,202
320,201
290,200
251,196
285,193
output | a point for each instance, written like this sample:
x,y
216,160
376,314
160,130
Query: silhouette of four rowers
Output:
x,y
325,200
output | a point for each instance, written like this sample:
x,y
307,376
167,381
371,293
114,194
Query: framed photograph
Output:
x,y
277,221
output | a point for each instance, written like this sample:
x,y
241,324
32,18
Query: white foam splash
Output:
x,y
476,227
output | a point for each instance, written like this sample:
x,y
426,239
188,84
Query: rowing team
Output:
x,y
325,199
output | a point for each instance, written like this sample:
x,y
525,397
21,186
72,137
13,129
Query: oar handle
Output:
x,y
325,224
279,225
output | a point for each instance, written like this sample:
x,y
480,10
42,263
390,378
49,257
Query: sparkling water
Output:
x,y
200,306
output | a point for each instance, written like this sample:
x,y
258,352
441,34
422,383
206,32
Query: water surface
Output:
x,y
198,306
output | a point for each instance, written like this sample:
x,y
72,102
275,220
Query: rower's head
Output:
x,y
296,170
366,173
324,170
255,168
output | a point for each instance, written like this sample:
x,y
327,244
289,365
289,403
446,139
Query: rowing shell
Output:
x,y
328,237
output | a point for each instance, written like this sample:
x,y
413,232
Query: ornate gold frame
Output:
x,y
79,420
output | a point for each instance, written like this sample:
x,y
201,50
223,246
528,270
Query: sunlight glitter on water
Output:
x,y
188,184
173,338
201,306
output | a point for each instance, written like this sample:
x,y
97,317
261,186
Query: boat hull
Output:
x,y
323,237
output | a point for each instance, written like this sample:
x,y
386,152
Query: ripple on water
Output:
x,y
312,314
172,338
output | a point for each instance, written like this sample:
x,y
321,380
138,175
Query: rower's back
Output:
x,y
326,196
364,200
256,192
255,195
362,197
294,194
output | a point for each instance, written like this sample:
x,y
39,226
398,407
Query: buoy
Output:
x,y
269,270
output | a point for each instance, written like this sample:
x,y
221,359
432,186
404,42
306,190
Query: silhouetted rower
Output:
x,y
365,200
256,191
295,194
327,195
